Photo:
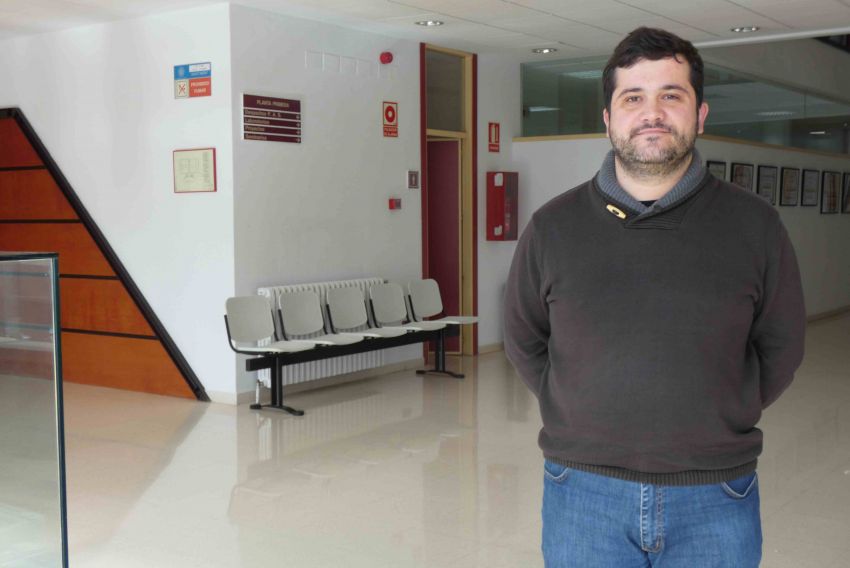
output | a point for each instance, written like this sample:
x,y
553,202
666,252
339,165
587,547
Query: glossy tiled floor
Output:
x,y
399,471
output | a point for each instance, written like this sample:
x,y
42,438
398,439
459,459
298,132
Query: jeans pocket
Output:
x,y
742,487
555,471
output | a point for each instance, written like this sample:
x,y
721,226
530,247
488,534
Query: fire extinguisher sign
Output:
x,y
493,136
390,120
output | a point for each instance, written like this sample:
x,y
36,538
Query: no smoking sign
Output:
x,y
390,120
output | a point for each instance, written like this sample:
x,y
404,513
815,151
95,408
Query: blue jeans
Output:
x,y
593,521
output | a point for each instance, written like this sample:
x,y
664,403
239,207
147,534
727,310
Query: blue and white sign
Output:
x,y
192,70
192,80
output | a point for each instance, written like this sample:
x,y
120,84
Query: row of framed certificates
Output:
x,y
795,186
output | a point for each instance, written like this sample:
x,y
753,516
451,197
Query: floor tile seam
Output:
x,y
797,545
365,550
778,507
824,485
777,495
529,509
450,507
489,549
480,536
806,478
776,542
321,529
462,562
845,518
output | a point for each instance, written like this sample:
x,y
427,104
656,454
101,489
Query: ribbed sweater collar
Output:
x,y
606,179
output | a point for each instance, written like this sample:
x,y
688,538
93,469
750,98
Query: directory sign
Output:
x,y
271,119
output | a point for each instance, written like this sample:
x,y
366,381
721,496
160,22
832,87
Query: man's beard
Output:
x,y
653,161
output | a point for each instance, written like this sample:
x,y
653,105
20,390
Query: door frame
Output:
x,y
468,185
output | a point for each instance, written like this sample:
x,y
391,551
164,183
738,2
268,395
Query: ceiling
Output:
x,y
576,28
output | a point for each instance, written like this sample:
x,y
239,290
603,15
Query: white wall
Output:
x,y
548,168
819,240
318,210
101,99
498,101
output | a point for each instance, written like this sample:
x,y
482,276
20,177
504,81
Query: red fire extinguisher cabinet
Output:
x,y
502,206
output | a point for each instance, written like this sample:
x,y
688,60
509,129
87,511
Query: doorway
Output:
x,y
449,192
444,225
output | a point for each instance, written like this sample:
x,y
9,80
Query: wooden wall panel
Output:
x,y
15,149
122,363
32,194
100,305
107,357
78,253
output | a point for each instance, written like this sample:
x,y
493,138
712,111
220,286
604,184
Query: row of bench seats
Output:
x,y
251,330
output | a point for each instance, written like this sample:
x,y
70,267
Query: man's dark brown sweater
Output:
x,y
654,342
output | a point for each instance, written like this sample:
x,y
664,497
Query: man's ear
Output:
x,y
702,114
606,119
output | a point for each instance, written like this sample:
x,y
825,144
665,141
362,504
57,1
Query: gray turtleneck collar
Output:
x,y
606,179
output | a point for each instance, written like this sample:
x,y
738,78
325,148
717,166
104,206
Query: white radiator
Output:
x,y
303,372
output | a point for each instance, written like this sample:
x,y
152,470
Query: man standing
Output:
x,y
654,311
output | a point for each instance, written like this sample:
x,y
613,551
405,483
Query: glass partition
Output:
x,y
444,84
565,97
32,475
562,97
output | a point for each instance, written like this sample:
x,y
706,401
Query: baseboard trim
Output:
x,y
490,348
827,315
230,398
248,397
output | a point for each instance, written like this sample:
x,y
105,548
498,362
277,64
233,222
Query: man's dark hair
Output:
x,y
651,44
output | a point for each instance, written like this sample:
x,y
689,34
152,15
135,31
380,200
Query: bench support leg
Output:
x,y
440,360
277,392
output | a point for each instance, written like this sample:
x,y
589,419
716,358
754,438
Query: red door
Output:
x,y
444,225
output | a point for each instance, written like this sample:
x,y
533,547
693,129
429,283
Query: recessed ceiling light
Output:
x,y
817,132
429,23
542,108
745,29
544,50
775,113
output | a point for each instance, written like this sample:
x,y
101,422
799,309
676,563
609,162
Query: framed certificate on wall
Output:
x,y
789,187
845,194
742,175
830,192
767,182
811,187
717,169
194,170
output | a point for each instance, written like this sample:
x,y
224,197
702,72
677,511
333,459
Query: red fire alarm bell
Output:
x,y
386,57
502,206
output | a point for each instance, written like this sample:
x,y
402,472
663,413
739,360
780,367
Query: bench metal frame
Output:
x,y
276,361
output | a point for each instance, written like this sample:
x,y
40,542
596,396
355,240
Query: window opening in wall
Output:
x,y
565,97
445,90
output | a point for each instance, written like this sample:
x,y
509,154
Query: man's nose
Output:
x,y
652,112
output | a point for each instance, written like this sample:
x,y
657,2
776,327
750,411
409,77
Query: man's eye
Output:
x,y
671,96
632,99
